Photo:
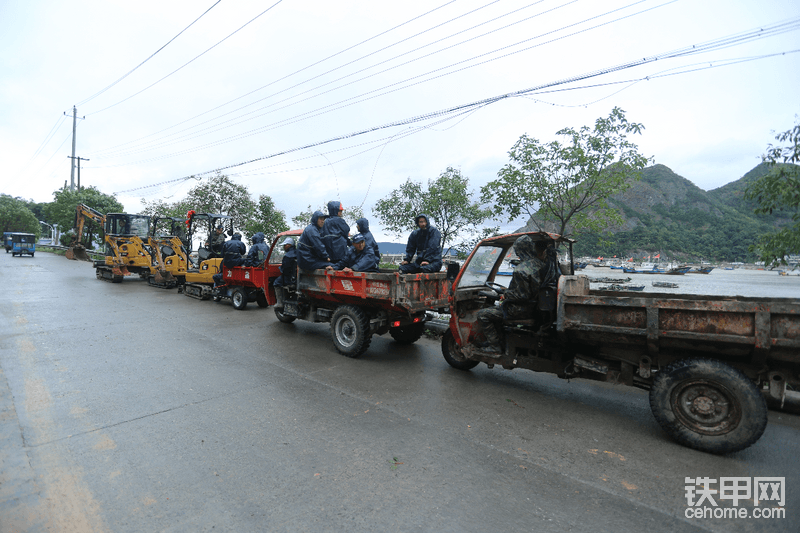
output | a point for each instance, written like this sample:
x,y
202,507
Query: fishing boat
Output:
x,y
679,270
665,285
621,288
609,280
701,270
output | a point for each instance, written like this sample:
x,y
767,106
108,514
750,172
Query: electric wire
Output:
x,y
112,149
353,100
680,52
216,127
101,91
190,61
49,136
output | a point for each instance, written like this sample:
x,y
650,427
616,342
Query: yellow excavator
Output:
x,y
85,218
126,248
207,261
168,242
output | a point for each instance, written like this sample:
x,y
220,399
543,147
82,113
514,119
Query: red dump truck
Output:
x,y
708,361
359,304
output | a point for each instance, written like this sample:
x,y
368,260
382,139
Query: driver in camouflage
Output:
x,y
520,300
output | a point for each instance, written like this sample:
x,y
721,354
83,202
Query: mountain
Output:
x,y
668,214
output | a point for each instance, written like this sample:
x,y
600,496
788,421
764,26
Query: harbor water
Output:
x,y
737,282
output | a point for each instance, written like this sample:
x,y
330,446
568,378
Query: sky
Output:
x,y
309,101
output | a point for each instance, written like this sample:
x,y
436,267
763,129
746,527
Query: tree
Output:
x,y
351,214
160,208
218,194
16,216
62,210
564,187
267,219
779,190
447,200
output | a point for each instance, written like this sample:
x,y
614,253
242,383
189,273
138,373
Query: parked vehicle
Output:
x,y
359,305
126,252
704,359
23,244
199,281
7,240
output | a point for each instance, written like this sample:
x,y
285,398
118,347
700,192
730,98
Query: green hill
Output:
x,y
668,214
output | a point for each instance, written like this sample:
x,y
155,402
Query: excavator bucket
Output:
x,y
77,253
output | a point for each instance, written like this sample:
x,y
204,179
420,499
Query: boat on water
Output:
x,y
679,270
654,270
665,285
616,267
609,280
701,270
621,288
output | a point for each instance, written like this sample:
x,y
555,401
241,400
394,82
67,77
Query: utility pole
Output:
x,y
79,168
74,122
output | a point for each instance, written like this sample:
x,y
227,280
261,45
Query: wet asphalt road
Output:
x,y
126,408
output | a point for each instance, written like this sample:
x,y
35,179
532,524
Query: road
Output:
x,y
125,408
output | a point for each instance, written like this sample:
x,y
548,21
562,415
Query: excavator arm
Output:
x,y
85,216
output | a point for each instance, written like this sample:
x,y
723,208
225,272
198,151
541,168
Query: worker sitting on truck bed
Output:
x,y
425,243
359,258
311,252
520,299
335,232
258,251
363,228
233,251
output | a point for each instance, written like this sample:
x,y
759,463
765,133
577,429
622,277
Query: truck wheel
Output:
x,y
286,319
708,405
261,300
239,299
350,330
408,334
452,353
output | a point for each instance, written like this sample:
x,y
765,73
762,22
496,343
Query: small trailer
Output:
x,y
242,285
360,304
708,361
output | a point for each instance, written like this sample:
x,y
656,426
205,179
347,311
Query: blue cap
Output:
x,y
358,238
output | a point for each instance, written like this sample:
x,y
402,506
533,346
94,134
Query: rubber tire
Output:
x,y
453,355
239,299
286,319
747,404
31,255
261,300
408,334
350,331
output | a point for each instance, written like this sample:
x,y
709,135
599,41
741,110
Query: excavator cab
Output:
x,y
168,240
126,248
207,260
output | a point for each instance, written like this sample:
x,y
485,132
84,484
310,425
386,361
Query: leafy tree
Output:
x,y
267,219
779,190
447,200
15,216
564,187
218,194
62,210
351,214
161,208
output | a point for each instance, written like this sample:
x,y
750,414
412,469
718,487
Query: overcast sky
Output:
x,y
246,82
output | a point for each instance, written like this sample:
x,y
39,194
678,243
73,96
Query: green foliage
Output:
x,y
351,214
779,190
564,187
267,219
62,210
447,200
160,208
219,194
16,216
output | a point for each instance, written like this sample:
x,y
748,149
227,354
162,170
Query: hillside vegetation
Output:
x,y
667,214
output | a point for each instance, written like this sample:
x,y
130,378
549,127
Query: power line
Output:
x,y
394,87
112,149
331,107
101,91
190,61
724,42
